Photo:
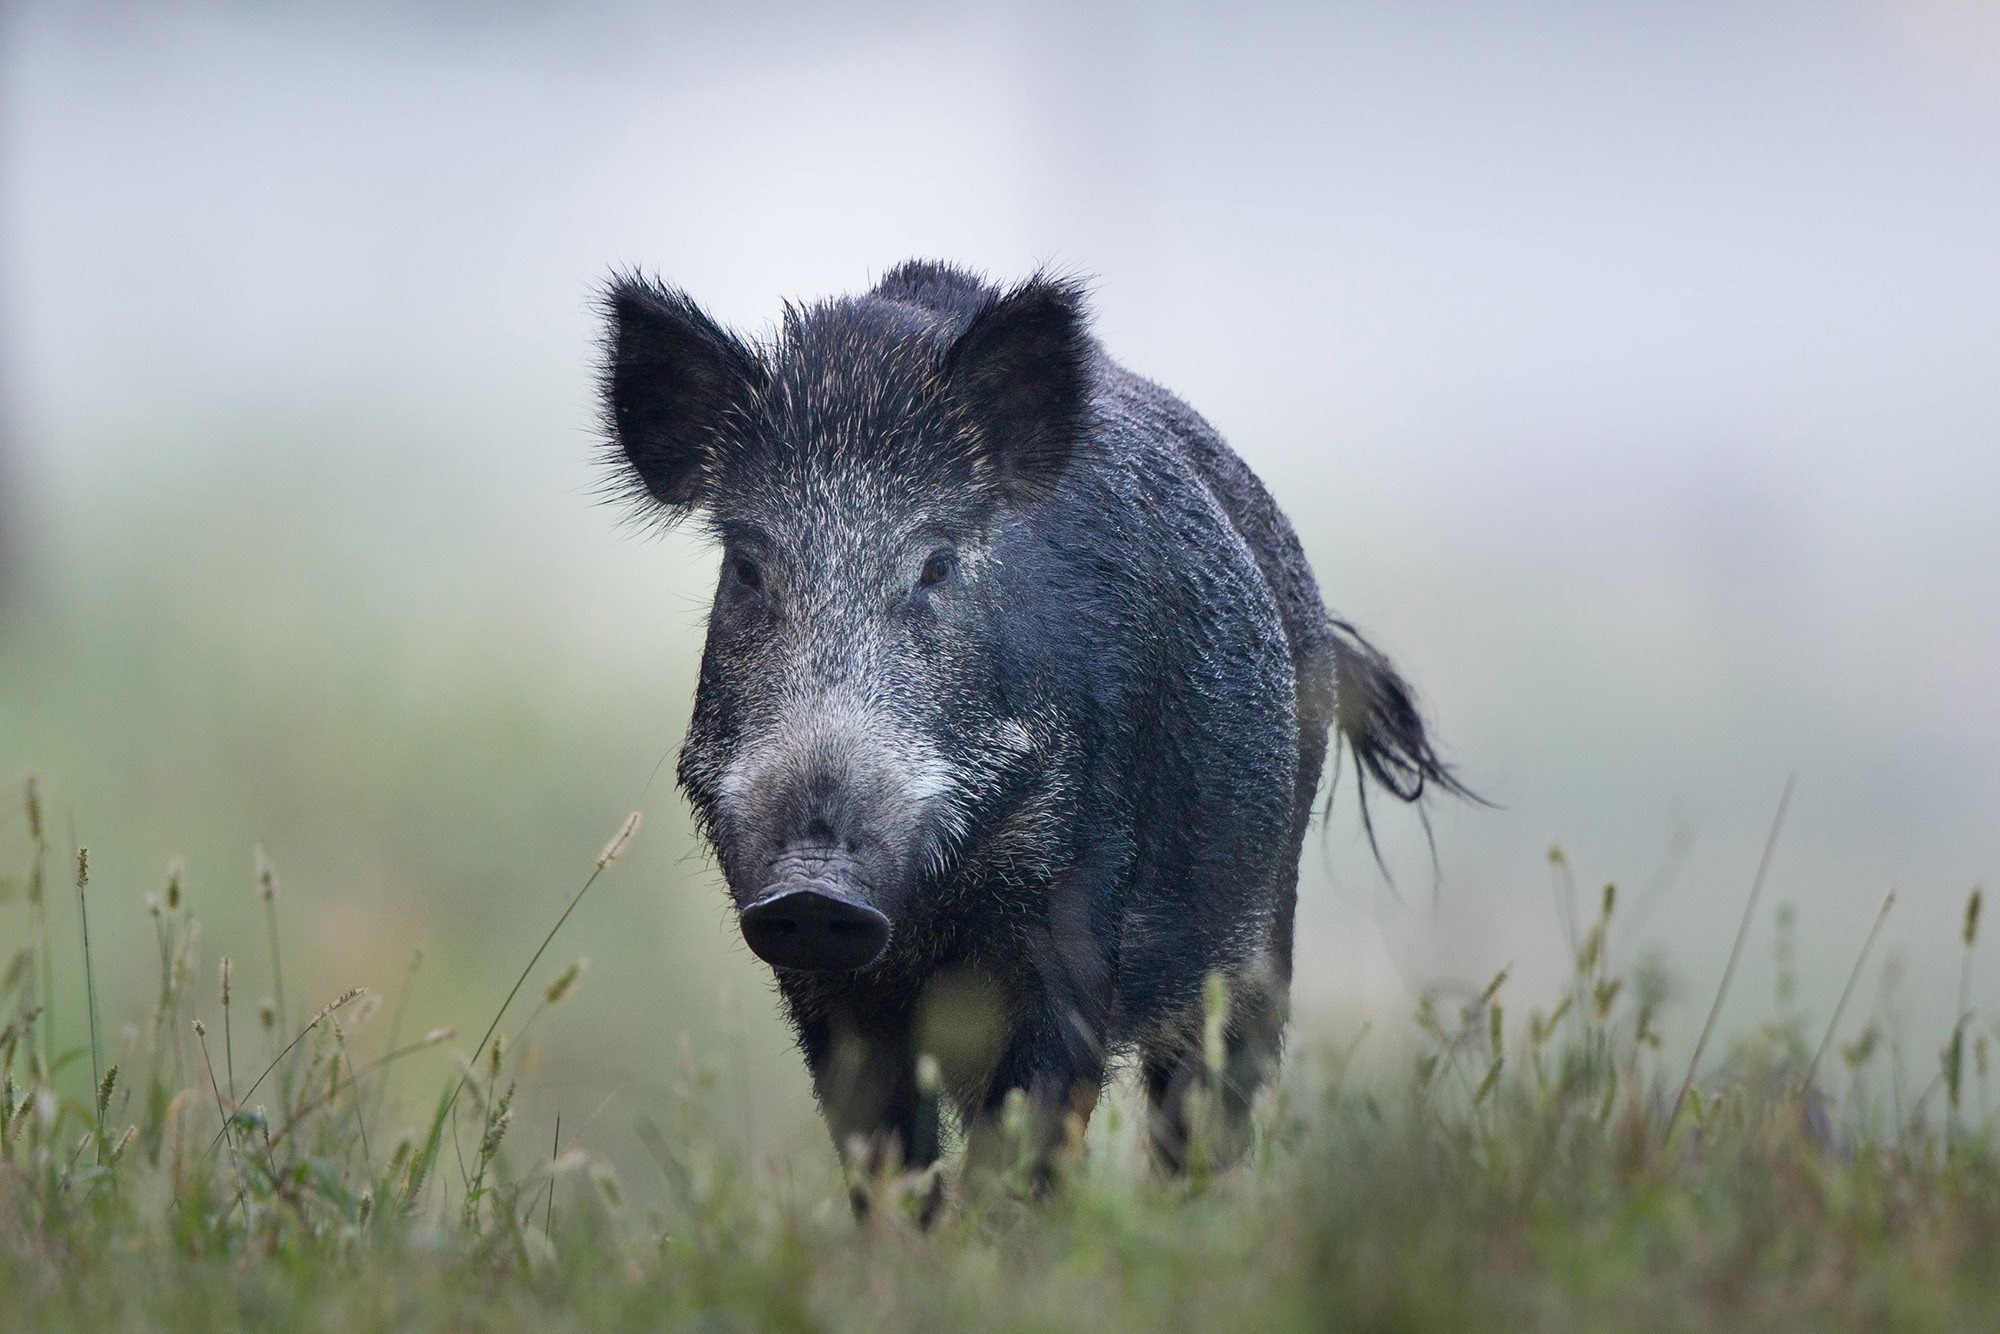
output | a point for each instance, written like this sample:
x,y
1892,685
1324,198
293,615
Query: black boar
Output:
x,y
1015,700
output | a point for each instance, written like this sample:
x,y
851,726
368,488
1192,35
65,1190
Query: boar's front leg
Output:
x,y
1058,1075
862,1057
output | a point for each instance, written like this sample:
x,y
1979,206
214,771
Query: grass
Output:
x,y
1504,1165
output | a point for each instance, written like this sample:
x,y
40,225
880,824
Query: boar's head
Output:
x,y
856,730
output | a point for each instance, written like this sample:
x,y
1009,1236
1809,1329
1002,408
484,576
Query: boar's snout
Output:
x,y
815,918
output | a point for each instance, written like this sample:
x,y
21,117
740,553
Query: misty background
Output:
x,y
1629,372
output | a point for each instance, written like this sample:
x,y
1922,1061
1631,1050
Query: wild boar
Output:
x,y
1015,700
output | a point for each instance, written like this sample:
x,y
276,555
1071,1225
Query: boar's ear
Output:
x,y
1021,368
673,380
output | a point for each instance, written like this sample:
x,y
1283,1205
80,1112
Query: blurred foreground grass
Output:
x,y
1506,1164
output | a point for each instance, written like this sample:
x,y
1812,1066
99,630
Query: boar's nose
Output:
x,y
814,927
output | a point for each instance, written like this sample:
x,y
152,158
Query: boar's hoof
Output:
x,y
815,928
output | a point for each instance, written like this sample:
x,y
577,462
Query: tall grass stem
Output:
x,y
1735,952
90,987
1853,977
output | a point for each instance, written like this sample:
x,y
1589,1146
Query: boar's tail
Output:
x,y
1375,716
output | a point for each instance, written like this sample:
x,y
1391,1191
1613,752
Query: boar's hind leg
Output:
x,y
1178,1080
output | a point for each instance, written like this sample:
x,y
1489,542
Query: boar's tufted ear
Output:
x,y
1021,368
673,380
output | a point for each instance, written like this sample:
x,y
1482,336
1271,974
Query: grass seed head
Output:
x,y
267,876
175,872
564,982
438,1036
496,1129
1972,916
82,869
33,796
227,977
184,956
351,994
619,842
606,1182
1215,1020
267,1013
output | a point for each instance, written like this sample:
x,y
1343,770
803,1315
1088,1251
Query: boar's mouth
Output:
x,y
812,918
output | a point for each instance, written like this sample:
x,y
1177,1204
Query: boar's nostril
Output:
x,y
819,831
815,927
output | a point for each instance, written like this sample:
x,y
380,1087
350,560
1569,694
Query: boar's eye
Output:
x,y
938,567
746,573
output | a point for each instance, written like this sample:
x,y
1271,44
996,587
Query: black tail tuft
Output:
x,y
1376,717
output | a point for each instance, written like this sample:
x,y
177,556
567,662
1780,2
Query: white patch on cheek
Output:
x,y
736,781
927,777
